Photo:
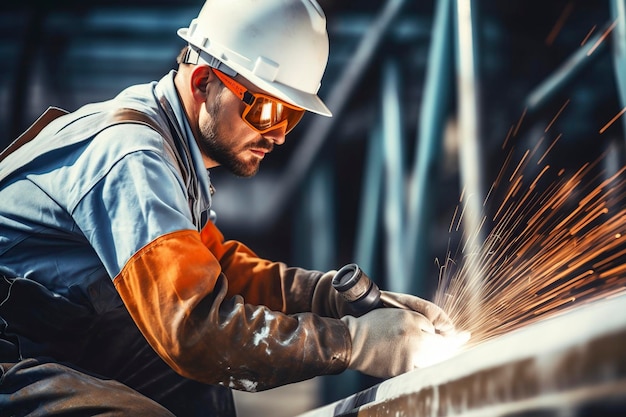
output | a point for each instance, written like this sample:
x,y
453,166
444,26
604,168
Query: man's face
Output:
x,y
228,140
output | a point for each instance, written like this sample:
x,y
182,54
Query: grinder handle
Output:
x,y
362,294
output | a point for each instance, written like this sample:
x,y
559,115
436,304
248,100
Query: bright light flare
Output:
x,y
439,348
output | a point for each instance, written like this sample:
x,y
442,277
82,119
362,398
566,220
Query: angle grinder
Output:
x,y
362,294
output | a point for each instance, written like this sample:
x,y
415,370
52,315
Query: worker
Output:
x,y
120,296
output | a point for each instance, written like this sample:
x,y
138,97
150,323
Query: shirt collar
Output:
x,y
167,89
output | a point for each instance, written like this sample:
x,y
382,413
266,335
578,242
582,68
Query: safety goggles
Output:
x,y
262,113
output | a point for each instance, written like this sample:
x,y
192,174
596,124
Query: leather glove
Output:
x,y
327,302
387,342
440,320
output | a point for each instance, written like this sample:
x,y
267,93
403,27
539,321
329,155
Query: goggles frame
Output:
x,y
259,102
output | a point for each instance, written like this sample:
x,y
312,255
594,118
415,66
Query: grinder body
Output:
x,y
361,293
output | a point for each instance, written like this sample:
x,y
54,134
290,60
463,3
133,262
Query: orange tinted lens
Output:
x,y
265,113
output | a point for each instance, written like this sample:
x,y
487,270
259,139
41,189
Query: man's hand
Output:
x,y
327,302
387,342
439,319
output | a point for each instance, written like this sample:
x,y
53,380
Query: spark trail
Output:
x,y
557,240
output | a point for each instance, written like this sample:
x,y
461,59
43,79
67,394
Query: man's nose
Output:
x,y
276,135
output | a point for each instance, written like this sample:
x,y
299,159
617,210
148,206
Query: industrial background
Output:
x,y
428,97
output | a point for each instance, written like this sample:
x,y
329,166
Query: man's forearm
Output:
x,y
184,311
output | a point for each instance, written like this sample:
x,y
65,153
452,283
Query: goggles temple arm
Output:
x,y
240,91
247,98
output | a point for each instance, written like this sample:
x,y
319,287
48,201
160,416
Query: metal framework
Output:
x,y
405,214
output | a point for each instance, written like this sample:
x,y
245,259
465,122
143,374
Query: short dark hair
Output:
x,y
180,59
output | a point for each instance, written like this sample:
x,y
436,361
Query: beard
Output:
x,y
223,155
218,149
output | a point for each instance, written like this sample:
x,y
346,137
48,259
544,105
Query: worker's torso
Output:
x,y
84,196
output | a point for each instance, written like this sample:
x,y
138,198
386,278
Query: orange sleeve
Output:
x,y
259,281
176,293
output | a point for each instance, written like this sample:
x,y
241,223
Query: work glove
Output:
x,y
440,320
327,302
387,342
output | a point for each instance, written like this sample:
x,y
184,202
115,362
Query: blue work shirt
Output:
x,y
85,196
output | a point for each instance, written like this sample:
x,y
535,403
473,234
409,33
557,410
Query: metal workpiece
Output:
x,y
570,365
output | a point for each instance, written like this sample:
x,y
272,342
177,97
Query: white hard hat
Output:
x,y
280,46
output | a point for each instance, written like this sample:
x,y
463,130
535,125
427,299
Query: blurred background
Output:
x,y
425,96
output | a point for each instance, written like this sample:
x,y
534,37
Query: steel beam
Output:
x,y
393,151
572,364
435,108
618,14
563,75
470,149
370,205
315,218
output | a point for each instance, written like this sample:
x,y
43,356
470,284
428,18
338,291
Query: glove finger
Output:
x,y
423,323
442,322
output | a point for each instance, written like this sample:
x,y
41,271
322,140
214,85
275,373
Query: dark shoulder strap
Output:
x,y
52,113
136,116
123,115
127,115
44,120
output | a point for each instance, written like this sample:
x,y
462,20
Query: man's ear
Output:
x,y
199,80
